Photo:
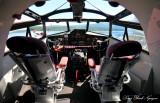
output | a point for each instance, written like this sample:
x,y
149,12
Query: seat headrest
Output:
x,y
124,48
26,45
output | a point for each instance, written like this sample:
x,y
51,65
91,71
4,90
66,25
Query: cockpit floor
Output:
x,y
80,92
83,93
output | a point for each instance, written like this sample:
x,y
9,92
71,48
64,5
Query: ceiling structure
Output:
x,y
78,10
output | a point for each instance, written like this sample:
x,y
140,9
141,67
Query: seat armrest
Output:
x,y
63,62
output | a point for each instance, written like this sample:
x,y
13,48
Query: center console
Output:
x,y
78,58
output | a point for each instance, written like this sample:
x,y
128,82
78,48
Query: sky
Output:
x,y
100,5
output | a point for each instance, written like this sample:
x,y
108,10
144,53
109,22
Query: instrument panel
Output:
x,y
76,39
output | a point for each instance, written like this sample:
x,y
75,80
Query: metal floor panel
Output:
x,y
81,93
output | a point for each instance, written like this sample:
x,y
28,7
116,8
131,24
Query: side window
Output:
x,y
139,36
118,32
18,32
36,31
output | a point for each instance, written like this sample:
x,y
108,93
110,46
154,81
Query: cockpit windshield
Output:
x,y
95,16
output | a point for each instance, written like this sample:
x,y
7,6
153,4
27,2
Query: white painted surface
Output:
x,y
148,14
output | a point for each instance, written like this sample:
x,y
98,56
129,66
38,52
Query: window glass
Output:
x,y
130,18
68,15
87,15
76,25
53,27
53,5
23,19
118,32
103,6
37,31
49,6
102,27
139,36
18,32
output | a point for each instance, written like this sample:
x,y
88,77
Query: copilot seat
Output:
x,y
108,78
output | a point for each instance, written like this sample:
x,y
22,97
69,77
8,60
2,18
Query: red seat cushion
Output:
x,y
63,62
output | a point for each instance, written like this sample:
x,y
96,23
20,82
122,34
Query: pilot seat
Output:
x,y
108,77
42,74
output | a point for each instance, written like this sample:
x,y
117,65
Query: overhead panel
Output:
x,y
77,9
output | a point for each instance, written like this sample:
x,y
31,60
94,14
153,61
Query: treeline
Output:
x,y
92,27
64,28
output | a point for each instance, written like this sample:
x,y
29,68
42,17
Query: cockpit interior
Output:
x,y
79,51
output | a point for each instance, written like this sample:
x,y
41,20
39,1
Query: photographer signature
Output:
x,y
139,97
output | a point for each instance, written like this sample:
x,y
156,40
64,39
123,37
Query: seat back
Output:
x,y
26,45
33,57
119,57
